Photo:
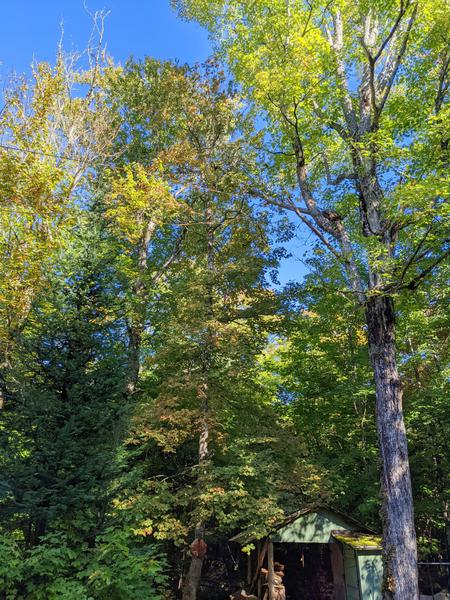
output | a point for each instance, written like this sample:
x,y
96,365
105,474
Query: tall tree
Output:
x,y
67,365
355,96
323,371
63,418
141,197
200,391
52,136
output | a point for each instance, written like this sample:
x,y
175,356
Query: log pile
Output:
x,y
278,589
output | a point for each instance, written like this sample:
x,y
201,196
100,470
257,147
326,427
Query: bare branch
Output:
x,y
338,127
415,253
337,44
39,153
367,88
321,222
402,11
308,18
319,234
339,178
285,203
388,76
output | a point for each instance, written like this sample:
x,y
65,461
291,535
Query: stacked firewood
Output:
x,y
279,591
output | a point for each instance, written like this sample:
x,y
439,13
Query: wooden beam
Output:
x,y
337,567
259,564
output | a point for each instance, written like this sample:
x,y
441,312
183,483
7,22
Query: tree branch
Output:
x,y
403,8
415,253
387,77
173,256
337,44
414,283
443,84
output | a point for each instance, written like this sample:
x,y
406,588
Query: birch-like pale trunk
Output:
x,y
136,324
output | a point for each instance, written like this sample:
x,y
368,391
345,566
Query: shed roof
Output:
x,y
278,530
358,540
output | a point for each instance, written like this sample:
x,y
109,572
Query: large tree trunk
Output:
x,y
194,574
193,579
399,536
198,547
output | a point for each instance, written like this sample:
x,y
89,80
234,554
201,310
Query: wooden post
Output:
x,y
255,580
337,567
271,571
259,564
249,569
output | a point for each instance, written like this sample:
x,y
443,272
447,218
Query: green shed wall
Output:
x,y
351,574
312,528
370,566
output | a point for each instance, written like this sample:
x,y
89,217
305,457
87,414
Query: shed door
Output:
x,y
351,574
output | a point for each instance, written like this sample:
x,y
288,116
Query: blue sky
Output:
x,y
31,29
138,27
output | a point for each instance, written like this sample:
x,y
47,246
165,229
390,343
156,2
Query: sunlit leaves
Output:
x,y
306,68
137,196
49,141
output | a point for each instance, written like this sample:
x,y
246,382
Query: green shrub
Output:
x,y
121,566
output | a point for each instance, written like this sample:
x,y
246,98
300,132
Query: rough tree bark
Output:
x,y
399,536
399,549
270,573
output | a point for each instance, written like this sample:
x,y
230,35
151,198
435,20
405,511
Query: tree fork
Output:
x,y
399,536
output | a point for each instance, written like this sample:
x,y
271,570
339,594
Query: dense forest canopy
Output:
x,y
160,391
